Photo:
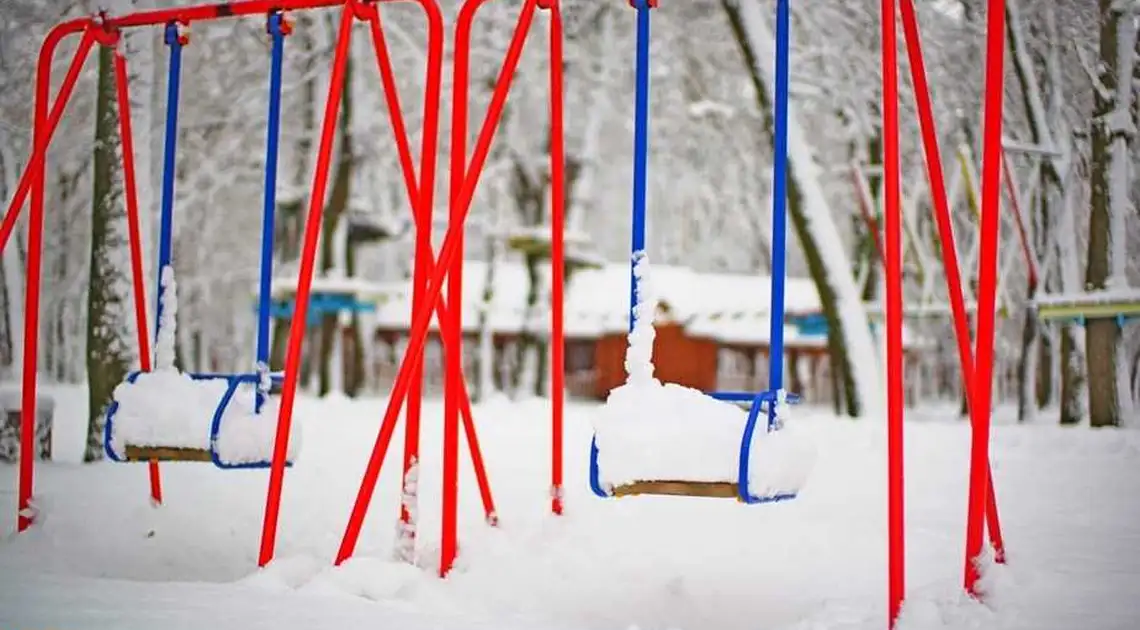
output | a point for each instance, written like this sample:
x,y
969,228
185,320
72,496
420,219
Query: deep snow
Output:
x,y
102,557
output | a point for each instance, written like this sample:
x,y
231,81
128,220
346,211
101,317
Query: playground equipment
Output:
x,y
977,365
327,295
429,274
920,261
767,402
1122,305
141,423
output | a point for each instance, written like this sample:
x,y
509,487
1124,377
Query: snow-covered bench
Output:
x,y
666,439
170,415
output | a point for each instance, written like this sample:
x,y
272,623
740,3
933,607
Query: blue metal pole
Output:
x,y
166,229
269,211
779,207
640,150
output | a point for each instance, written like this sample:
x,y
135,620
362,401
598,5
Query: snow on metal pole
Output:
x,y
420,196
175,40
779,208
940,201
640,148
421,319
278,28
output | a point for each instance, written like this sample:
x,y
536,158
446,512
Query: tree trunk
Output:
x,y
869,251
1072,378
527,341
485,359
108,337
1044,371
13,276
848,333
354,356
1111,136
338,203
1027,367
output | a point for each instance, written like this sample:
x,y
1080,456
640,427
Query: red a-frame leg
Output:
x,y
983,502
32,180
421,318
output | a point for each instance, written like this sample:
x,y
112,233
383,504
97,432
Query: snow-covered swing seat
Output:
x,y
654,438
228,419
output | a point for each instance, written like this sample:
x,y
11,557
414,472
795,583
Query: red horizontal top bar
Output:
x,y
216,11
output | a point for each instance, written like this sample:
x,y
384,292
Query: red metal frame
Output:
x,y
134,239
1015,203
557,254
105,31
464,179
896,516
977,371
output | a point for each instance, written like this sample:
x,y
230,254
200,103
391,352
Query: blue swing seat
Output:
x,y
145,441
739,488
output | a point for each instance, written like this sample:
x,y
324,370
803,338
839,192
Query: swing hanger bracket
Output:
x,y
103,32
364,10
177,32
278,22
546,5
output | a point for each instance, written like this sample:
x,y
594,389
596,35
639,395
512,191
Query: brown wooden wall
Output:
x,y
678,359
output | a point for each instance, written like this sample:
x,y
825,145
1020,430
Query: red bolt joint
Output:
x,y
178,32
284,24
103,33
364,10
547,4
643,4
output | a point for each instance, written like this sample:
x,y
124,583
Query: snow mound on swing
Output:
x,y
653,431
167,408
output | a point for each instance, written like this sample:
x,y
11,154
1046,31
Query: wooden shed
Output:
x,y
677,357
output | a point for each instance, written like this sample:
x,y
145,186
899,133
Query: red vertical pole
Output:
x,y
304,285
1023,237
987,281
451,334
896,519
139,287
993,523
557,256
481,480
43,129
422,197
47,122
940,199
421,320
867,211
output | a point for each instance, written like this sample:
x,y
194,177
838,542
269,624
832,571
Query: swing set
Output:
x,y
432,271
258,441
758,403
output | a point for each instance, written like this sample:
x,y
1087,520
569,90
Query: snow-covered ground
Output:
x,y
102,557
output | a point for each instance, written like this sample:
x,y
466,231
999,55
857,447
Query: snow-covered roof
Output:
x,y
1116,295
728,307
283,287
